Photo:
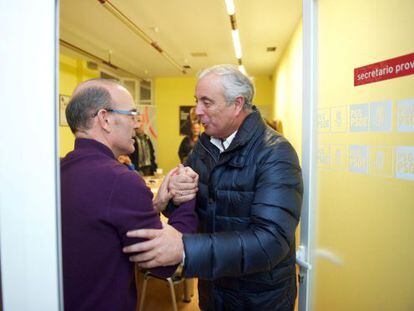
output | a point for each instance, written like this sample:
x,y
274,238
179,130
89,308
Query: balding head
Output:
x,y
88,98
95,83
103,110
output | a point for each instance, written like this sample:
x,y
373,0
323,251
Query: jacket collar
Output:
x,y
252,126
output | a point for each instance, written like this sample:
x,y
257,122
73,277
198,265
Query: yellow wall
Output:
x,y
263,98
71,72
288,90
364,219
172,92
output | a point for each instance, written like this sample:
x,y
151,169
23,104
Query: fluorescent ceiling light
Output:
x,y
230,7
242,69
236,43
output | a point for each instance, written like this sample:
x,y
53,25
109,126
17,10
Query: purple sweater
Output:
x,y
101,201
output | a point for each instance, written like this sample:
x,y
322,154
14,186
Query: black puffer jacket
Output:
x,y
248,205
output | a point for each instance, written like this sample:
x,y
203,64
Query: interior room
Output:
x,y
124,42
334,78
193,38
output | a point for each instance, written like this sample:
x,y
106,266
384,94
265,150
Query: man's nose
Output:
x,y
199,110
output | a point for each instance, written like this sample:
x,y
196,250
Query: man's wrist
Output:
x,y
159,205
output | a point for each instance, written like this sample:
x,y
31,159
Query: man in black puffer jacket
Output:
x,y
249,201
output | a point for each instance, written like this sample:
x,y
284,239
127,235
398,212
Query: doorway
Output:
x,y
360,151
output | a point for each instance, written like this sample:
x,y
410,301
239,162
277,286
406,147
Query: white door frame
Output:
x,y
29,188
29,175
309,154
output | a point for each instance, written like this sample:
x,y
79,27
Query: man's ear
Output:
x,y
238,104
103,120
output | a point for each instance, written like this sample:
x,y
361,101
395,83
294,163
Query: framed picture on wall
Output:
x,y
63,102
187,114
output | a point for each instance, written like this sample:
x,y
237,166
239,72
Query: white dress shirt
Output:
x,y
223,144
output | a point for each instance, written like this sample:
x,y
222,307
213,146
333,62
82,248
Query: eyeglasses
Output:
x,y
132,112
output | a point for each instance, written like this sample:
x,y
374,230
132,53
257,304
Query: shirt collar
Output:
x,y
88,144
220,142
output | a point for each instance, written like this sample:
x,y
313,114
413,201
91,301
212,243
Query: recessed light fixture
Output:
x,y
199,54
91,65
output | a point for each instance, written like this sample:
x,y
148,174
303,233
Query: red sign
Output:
x,y
385,70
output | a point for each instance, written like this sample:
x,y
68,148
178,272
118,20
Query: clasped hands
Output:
x,y
180,185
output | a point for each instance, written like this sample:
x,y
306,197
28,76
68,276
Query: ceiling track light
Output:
x,y
231,11
138,31
95,58
236,43
242,69
230,7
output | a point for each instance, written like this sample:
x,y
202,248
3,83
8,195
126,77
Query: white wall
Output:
x,y
28,163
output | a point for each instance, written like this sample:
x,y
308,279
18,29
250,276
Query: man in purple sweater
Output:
x,y
102,200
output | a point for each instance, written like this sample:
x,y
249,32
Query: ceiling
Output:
x,y
180,27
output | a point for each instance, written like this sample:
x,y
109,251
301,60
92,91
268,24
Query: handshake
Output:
x,y
179,185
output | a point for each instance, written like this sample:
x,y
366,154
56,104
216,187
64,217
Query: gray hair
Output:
x,y
234,83
84,104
